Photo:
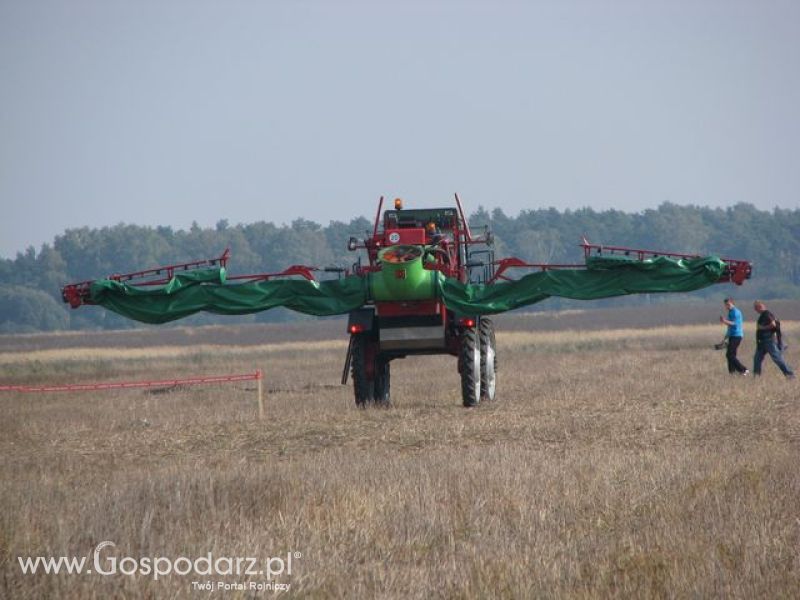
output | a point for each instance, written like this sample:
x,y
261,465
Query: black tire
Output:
x,y
382,394
363,388
367,390
469,360
488,360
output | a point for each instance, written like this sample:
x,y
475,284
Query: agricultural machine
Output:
x,y
406,316
427,287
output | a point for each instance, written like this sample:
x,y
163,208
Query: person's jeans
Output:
x,y
734,365
771,348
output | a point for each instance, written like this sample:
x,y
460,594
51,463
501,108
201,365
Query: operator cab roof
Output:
x,y
418,218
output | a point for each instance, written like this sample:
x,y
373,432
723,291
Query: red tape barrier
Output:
x,y
83,387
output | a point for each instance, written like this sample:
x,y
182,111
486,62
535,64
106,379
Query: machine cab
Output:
x,y
419,226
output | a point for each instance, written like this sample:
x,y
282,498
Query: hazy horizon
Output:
x,y
173,112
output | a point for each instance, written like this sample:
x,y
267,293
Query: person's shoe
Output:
x,y
792,376
746,372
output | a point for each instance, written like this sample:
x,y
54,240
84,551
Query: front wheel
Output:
x,y
488,360
470,367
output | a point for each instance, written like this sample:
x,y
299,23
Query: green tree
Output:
x,y
23,310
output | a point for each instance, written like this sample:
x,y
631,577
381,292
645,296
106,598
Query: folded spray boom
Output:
x,y
77,294
736,270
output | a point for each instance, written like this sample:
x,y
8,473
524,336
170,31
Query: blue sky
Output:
x,y
167,112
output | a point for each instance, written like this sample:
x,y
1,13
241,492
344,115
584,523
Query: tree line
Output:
x,y
30,284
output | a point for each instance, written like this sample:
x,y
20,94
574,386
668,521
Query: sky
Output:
x,y
171,112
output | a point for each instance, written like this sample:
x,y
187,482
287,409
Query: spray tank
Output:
x,y
403,275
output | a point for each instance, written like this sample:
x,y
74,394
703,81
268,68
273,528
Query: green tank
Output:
x,y
402,275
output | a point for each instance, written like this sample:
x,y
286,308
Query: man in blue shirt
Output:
x,y
735,333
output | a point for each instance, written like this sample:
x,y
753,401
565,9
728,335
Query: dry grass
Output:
x,y
614,464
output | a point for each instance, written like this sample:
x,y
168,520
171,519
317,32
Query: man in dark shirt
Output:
x,y
766,328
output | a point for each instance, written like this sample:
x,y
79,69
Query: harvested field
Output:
x,y
615,463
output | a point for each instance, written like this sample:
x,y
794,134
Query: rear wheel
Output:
x,y
370,373
362,386
382,383
470,367
488,360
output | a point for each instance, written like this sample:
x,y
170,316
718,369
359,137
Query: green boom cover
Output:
x,y
206,290
195,291
602,278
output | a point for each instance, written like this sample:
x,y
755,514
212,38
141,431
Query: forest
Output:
x,y
30,284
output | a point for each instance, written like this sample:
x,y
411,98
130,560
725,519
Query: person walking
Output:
x,y
767,327
735,323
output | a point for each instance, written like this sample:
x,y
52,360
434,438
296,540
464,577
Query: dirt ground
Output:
x,y
619,460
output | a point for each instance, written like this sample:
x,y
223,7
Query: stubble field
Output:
x,y
616,462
